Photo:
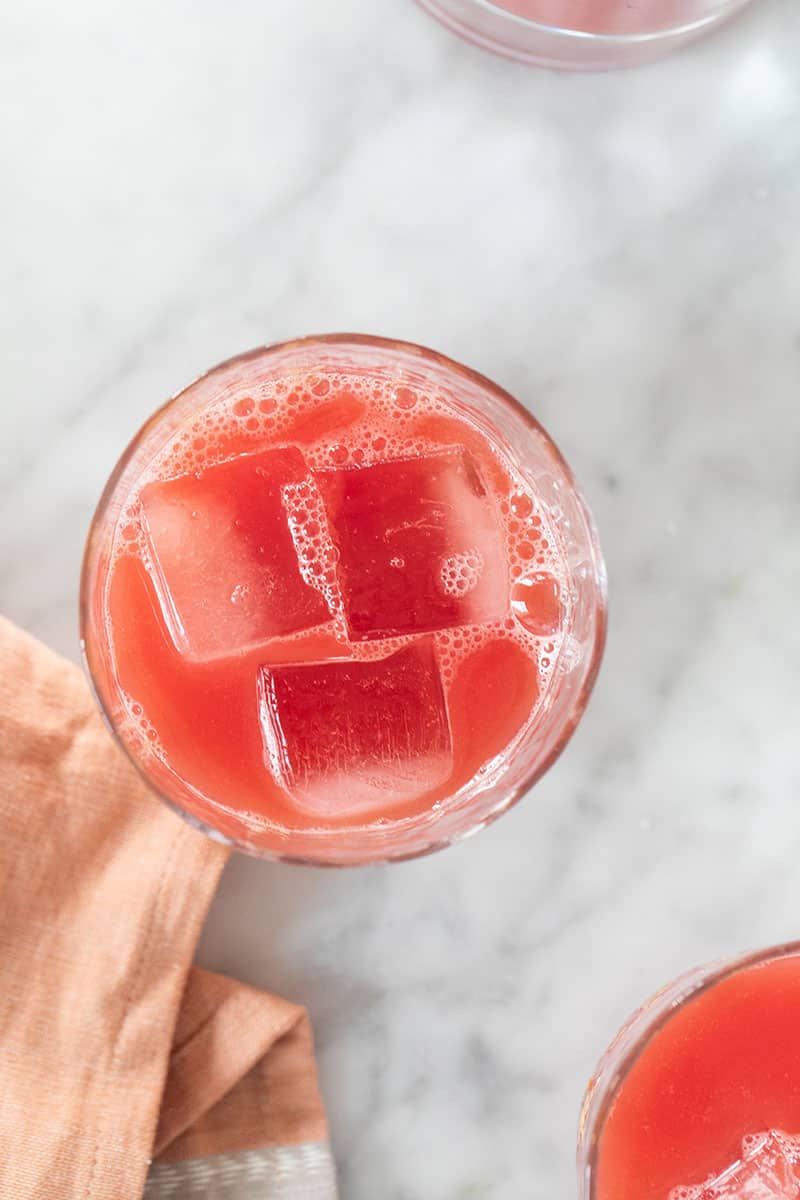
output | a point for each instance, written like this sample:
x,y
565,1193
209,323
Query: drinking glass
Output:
x,y
114,630
713,1043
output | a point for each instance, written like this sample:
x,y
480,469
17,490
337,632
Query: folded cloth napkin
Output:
x,y
114,1052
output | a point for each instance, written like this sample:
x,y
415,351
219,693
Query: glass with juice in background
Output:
x,y
698,1097
582,34
342,601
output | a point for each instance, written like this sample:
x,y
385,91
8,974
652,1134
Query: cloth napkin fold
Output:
x,y
114,1051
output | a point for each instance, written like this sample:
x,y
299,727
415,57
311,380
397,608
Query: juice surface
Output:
x,y
330,601
613,17
715,1096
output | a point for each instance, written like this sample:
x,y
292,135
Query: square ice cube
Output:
x,y
769,1169
345,738
225,566
419,542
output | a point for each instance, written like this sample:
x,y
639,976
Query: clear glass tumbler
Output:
x,y
582,34
698,1096
237,672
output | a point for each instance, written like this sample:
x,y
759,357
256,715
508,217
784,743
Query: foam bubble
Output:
x,y
460,574
405,398
521,505
316,554
318,385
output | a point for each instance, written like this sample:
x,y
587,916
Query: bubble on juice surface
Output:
x,y
137,731
521,505
316,554
244,407
405,398
319,385
536,603
460,573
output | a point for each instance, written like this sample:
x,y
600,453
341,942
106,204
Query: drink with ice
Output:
x,y
699,1096
342,594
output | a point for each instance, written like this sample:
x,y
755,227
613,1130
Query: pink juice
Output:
x,y
615,17
327,600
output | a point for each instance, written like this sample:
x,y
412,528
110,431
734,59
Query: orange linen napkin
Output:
x,y
113,1051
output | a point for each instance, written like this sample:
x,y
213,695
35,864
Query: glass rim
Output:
x,y
610,40
378,855
689,986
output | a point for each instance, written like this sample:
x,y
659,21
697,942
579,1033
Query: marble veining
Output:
x,y
621,251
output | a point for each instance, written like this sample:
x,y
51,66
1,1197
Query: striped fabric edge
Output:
x,y
304,1172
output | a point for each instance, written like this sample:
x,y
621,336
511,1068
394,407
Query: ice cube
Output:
x,y
768,1169
420,545
224,562
345,738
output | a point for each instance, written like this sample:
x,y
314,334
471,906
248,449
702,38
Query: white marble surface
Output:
x,y
181,181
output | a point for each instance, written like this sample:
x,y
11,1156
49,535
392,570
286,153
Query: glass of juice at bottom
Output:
x,y
342,601
582,34
698,1097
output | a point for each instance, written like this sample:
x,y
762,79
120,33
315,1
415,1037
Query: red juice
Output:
x,y
707,1106
324,600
